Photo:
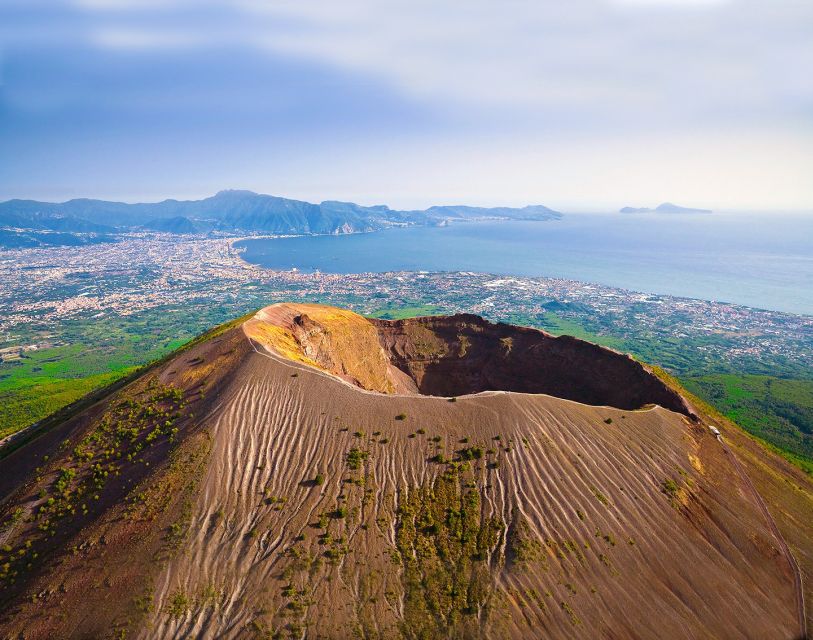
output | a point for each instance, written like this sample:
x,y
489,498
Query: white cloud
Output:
x,y
732,58
594,63
707,102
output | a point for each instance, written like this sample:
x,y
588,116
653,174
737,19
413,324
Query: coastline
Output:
x,y
696,273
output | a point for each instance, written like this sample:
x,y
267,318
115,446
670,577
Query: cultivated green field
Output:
x,y
777,410
89,354
33,400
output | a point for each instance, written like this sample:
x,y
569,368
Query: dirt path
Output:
x,y
17,434
783,546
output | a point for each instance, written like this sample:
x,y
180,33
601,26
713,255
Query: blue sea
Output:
x,y
759,260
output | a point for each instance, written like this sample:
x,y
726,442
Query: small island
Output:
x,y
666,207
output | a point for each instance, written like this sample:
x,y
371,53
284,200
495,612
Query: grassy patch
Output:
x,y
96,463
84,354
558,326
443,544
522,546
355,457
399,313
24,401
777,410
178,604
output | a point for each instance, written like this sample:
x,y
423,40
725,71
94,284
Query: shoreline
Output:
x,y
239,253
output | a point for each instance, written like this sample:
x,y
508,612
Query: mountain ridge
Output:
x,y
240,211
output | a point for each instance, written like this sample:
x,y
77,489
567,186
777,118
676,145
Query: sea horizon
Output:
x,y
764,264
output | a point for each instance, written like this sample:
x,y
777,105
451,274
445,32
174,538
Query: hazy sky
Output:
x,y
574,104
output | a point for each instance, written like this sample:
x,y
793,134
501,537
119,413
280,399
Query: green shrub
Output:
x,y
355,457
670,487
178,604
471,453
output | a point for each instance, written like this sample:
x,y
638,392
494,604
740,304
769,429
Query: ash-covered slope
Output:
x,y
288,477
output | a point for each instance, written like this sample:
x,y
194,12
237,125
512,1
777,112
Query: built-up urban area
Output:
x,y
205,281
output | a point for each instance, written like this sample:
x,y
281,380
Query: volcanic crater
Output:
x,y
458,355
304,473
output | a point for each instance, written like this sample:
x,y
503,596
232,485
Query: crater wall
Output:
x,y
463,354
457,355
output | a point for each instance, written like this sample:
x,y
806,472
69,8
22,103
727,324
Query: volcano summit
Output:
x,y
306,472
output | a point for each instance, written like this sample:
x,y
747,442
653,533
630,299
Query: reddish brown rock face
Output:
x,y
464,354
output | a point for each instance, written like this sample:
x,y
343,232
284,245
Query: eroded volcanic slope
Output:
x,y
311,473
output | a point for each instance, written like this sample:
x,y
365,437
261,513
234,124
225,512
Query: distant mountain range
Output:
x,y
666,207
29,223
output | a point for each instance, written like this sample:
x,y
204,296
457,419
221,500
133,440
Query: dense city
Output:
x,y
42,288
